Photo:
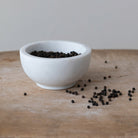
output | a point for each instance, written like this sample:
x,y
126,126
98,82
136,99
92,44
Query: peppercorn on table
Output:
x,y
29,111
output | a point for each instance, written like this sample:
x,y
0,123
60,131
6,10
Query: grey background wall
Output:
x,y
102,24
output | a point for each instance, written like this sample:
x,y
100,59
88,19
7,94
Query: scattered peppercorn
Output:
x,y
101,98
82,89
133,89
88,107
105,61
85,85
105,87
78,85
76,93
83,96
96,87
104,78
91,98
73,92
120,93
130,99
109,76
70,92
103,102
25,94
110,99
89,80
129,91
116,67
95,96
94,93
107,103
72,101
89,101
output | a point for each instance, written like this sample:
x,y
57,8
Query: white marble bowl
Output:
x,y
55,73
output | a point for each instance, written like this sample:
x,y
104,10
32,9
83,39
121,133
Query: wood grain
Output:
x,y
43,113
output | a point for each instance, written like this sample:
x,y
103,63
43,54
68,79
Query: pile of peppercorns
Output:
x,y
52,54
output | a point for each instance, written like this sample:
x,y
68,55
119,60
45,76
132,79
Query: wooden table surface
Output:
x,y
44,113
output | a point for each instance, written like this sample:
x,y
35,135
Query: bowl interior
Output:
x,y
56,46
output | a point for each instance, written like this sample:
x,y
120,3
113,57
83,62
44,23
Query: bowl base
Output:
x,y
55,88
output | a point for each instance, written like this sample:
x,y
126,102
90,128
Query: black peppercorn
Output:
x,y
114,91
76,93
104,78
133,89
25,94
116,67
120,93
78,85
107,103
89,101
72,101
82,89
130,99
83,96
105,87
94,93
95,96
109,76
116,95
96,87
91,98
89,80
105,61
70,92
85,85
117,92
129,91
110,99
88,107
103,102
73,92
